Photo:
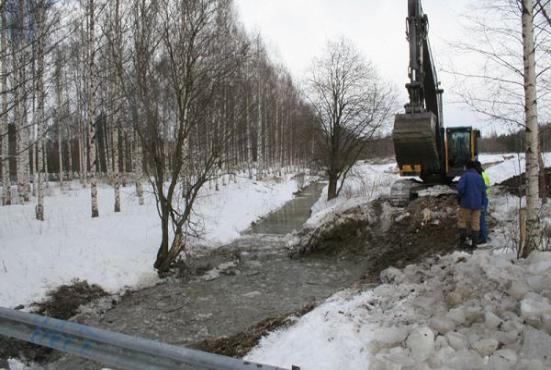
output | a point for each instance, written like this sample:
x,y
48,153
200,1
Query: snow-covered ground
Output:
x,y
481,311
513,166
115,250
364,182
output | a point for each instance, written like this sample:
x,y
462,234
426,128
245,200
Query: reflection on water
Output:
x,y
291,216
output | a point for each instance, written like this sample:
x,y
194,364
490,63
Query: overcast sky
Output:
x,y
296,30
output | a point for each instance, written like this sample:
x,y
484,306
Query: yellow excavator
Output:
x,y
423,147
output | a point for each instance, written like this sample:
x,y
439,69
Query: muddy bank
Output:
x,y
61,303
517,185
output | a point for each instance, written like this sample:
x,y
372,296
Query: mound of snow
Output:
x,y
453,312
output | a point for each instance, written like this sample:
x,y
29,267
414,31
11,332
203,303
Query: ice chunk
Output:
x,y
504,359
456,340
466,360
440,357
388,337
421,343
457,315
392,275
491,321
381,363
529,364
533,307
442,325
485,346
537,345
518,289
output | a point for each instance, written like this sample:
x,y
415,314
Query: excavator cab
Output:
x,y
461,145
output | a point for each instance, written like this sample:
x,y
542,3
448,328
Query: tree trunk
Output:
x,y
138,168
6,181
332,187
70,167
19,101
91,113
116,114
59,117
542,179
40,14
162,253
531,116
248,133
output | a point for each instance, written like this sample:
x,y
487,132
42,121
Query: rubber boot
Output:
x,y
462,238
474,239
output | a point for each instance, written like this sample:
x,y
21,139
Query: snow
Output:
x,y
513,166
364,183
332,336
116,250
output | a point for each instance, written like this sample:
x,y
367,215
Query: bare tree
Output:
x,y
351,102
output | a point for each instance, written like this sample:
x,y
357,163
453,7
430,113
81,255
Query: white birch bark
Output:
x,y
531,117
59,118
116,115
249,144
6,181
40,117
138,170
91,111
22,141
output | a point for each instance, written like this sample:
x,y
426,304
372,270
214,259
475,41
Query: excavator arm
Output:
x,y
418,141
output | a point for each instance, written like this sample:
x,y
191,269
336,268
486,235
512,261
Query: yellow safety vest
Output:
x,y
486,179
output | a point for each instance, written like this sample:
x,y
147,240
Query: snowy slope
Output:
x,y
364,183
511,167
114,250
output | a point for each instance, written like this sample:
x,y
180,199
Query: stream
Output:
x,y
232,288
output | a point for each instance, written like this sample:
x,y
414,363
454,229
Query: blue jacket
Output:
x,y
471,189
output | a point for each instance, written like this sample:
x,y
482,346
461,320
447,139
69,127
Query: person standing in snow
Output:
x,y
472,193
483,236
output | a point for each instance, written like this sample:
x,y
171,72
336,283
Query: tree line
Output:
x,y
172,92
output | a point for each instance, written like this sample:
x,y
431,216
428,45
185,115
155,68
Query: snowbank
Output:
x,y
364,183
117,249
330,337
459,312
511,167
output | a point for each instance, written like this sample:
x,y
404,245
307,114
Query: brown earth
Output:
x,y
61,303
240,344
516,185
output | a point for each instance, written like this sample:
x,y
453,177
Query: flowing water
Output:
x,y
238,285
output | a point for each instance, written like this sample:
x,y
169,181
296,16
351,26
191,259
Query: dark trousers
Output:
x,y
483,225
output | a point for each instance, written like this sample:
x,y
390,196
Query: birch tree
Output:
x,y
511,85
39,12
4,150
532,137
94,163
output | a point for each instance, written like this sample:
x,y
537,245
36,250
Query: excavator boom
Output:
x,y
418,133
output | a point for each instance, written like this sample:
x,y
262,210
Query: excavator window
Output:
x,y
459,147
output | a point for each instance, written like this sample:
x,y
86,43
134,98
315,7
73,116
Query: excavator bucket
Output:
x,y
415,144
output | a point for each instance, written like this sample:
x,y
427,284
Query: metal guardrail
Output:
x,y
113,349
